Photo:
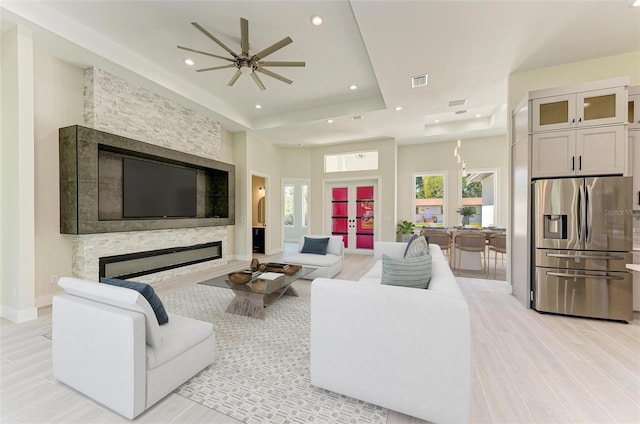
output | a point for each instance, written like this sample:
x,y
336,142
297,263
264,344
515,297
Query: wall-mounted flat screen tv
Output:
x,y
157,190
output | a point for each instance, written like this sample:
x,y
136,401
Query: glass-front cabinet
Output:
x,y
633,108
575,110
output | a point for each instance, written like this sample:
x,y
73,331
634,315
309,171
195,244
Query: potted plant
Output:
x,y
466,212
405,228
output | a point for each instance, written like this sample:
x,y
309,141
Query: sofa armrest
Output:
x,y
401,348
389,248
99,350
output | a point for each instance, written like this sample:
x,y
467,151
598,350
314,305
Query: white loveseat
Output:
x,y
327,265
402,348
107,344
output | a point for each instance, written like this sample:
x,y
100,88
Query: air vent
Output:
x,y
419,81
460,112
454,103
357,117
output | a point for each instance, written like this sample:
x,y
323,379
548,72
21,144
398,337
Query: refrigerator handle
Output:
x,y
579,214
588,215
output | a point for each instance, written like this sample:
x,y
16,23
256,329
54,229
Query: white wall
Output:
x,y
17,228
58,103
480,153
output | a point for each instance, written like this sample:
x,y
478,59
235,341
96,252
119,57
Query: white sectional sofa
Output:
x,y
108,345
328,265
405,349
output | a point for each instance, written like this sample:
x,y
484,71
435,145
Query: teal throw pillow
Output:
x,y
315,245
407,272
147,291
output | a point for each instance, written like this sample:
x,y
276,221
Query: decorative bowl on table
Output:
x,y
240,278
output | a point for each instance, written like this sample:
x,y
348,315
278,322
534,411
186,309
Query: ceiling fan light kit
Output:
x,y
244,62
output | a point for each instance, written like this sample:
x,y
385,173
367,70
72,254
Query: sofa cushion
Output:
x,y
407,272
313,260
147,291
417,247
317,246
116,296
180,335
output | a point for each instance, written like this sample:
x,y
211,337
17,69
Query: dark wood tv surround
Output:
x,y
91,184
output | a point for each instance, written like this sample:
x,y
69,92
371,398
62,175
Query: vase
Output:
x,y
465,220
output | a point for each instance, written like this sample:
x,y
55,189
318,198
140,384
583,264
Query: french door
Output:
x,y
351,213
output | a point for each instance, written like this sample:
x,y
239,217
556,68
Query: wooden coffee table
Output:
x,y
252,298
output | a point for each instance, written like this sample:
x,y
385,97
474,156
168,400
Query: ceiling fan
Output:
x,y
244,62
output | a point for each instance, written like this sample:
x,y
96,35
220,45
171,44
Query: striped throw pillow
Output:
x,y
407,272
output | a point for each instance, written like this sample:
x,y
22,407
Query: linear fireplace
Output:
x,y
133,265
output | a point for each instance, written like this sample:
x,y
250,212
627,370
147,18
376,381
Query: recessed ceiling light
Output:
x,y
397,108
478,115
329,121
436,121
258,106
353,87
188,62
317,20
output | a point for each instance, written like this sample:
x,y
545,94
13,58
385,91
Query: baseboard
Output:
x,y
46,300
18,315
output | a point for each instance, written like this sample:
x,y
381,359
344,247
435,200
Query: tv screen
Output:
x,y
157,190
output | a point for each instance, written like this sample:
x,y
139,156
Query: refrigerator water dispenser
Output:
x,y
555,227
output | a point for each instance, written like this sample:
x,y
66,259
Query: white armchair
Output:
x,y
107,344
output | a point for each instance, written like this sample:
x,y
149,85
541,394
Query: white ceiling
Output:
x,y
468,49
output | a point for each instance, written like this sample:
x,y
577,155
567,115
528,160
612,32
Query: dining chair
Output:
x,y
471,242
441,238
497,244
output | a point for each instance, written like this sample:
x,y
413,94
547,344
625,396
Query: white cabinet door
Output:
x,y
634,143
553,154
602,107
600,150
553,113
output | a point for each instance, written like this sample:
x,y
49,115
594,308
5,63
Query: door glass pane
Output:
x,y
472,198
599,107
631,112
554,113
339,213
429,200
364,218
289,199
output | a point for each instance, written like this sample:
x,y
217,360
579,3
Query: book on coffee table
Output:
x,y
270,276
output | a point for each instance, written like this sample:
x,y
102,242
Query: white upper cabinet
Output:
x,y
581,109
588,151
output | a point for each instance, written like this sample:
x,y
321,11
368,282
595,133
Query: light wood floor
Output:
x,y
527,367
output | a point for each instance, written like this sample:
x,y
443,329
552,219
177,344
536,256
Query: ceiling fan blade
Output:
x,y
215,68
244,36
234,78
281,63
215,40
274,75
205,53
258,82
275,47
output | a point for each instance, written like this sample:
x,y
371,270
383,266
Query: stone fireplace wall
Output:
x,y
114,105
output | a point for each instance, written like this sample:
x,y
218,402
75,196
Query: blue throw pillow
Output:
x,y
315,245
147,291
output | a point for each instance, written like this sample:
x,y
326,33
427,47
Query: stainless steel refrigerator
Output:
x,y
583,239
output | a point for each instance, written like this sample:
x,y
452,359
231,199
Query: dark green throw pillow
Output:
x,y
147,291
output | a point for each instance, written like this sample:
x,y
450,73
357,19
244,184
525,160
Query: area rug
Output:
x,y
261,371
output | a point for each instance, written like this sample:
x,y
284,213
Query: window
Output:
x,y
472,196
305,205
429,199
289,204
478,190
357,161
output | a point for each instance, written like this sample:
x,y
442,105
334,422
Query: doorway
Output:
x,y
351,210
258,213
295,196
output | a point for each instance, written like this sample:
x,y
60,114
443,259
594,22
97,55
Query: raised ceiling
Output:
x,y
468,49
